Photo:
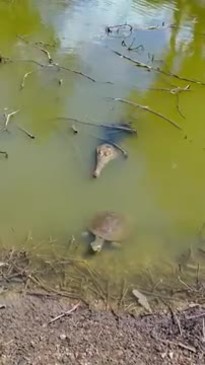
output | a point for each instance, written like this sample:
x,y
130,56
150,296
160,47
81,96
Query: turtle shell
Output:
x,y
110,226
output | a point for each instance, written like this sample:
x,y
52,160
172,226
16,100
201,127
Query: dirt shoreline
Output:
x,y
95,337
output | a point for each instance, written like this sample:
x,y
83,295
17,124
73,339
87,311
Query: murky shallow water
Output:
x,y
46,186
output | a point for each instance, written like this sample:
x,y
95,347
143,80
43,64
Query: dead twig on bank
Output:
x,y
157,69
174,316
68,312
146,108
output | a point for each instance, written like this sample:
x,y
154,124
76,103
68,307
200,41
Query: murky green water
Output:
x,y
46,188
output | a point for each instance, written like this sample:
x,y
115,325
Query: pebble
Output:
x,y
62,336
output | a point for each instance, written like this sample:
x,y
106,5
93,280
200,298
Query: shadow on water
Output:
x,y
61,63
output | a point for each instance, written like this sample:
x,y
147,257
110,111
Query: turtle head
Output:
x,y
97,244
104,154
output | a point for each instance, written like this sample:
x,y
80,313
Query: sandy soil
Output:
x,y
91,337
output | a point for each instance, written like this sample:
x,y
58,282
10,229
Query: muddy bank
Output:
x,y
88,336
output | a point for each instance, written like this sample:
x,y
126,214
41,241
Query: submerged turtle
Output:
x,y
104,154
107,226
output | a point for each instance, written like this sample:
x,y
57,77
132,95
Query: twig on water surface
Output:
x,y
26,132
146,108
7,119
130,47
58,67
4,153
157,69
24,79
116,28
47,53
68,312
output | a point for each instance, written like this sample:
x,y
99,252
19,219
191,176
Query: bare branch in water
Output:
x,y
131,48
26,132
58,67
7,119
4,153
146,108
24,79
47,53
118,127
178,106
157,69
116,28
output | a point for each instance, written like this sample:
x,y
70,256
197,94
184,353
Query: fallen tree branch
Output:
x,y
116,127
58,67
146,108
157,69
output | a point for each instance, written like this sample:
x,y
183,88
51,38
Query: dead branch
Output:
x,y
178,107
26,132
146,108
58,67
47,53
174,316
157,69
24,79
130,47
117,127
4,153
68,312
7,119
116,28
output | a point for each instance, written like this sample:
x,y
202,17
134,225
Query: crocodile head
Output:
x,y
104,154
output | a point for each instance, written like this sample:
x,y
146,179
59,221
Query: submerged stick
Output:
x,y
117,127
26,132
5,155
146,108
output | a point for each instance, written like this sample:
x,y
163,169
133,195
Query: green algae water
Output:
x,y
47,192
